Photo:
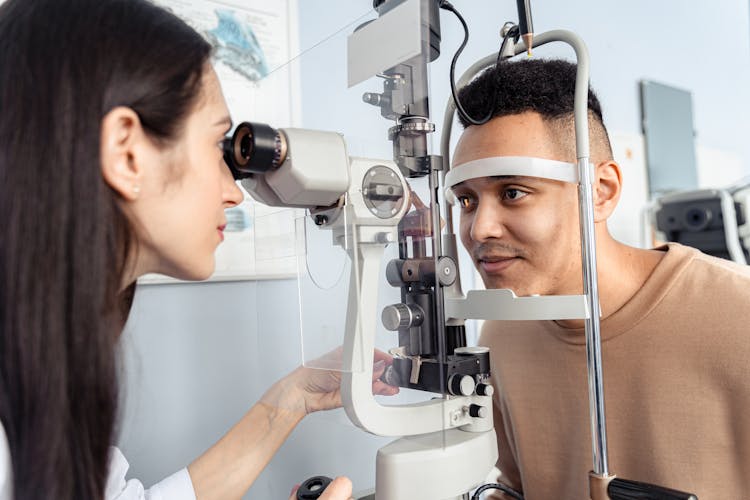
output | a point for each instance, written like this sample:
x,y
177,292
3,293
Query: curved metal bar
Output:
x,y
586,213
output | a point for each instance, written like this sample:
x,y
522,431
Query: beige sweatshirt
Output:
x,y
676,368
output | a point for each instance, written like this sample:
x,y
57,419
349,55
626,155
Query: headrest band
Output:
x,y
509,165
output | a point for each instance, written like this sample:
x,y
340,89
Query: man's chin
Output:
x,y
491,282
494,283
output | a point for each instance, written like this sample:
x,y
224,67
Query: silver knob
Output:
x,y
397,316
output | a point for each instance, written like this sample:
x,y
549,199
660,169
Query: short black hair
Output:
x,y
543,86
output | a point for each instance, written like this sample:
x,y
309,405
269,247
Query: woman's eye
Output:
x,y
513,194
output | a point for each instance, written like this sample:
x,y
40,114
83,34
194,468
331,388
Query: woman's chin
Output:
x,y
195,272
199,275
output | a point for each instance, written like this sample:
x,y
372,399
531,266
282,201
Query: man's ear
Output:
x,y
120,134
607,189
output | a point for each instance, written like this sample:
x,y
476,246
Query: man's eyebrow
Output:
x,y
505,177
495,178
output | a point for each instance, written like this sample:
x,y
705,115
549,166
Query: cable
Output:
x,y
512,34
497,486
316,44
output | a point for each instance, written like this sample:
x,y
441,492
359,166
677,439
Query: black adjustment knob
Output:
x,y
477,411
485,390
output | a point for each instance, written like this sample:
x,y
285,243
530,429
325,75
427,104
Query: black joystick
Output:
x,y
313,487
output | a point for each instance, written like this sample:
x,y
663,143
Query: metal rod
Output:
x,y
439,296
593,333
437,252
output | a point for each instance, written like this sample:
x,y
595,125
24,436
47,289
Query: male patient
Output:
x,y
675,322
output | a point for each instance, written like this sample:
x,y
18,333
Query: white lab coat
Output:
x,y
176,487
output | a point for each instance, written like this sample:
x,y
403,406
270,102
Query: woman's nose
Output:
x,y
232,193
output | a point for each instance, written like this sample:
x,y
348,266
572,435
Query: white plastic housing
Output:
x,y
314,174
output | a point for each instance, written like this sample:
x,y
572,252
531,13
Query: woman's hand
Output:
x,y
339,489
306,390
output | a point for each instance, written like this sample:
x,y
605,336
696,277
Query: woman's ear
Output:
x,y
607,189
120,134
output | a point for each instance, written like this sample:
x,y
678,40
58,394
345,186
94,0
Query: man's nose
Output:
x,y
487,222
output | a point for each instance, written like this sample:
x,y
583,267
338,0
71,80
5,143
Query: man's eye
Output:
x,y
465,201
513,194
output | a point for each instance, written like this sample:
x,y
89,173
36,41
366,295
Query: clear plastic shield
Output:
x,y
329,293
324,257
339,299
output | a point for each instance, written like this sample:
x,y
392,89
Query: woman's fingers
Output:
x,y
293,494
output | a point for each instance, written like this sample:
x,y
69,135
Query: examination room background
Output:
x,y
198,355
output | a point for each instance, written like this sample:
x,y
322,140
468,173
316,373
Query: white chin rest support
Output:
x,y
523,166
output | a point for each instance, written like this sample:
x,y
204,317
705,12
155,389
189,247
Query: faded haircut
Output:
x,y
543,86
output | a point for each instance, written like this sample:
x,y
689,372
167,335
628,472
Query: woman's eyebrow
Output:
x,y
226,120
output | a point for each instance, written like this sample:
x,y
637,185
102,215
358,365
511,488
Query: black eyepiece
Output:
x,y
254,148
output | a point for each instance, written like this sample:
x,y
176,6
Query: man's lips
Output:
x,y
492,264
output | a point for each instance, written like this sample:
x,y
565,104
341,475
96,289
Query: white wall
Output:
x,y
198,355
196,358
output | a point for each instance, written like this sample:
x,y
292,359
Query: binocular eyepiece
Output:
x,y
254,148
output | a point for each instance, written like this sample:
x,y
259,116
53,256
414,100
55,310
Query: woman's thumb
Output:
x,y
339,489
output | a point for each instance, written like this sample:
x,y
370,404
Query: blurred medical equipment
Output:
x,y
712,220
669,137
447,445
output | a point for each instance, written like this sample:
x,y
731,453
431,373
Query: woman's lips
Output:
x,y
220,229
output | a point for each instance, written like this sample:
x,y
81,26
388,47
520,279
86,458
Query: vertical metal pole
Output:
x,y
593,334
588,258
588,245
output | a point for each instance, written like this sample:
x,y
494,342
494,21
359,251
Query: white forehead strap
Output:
x,y
524,166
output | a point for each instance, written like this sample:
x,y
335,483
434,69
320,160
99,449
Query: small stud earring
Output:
x,y
136,189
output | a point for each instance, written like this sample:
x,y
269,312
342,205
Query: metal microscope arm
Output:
x,y
406,420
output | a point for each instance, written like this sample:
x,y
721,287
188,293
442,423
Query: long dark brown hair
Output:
x,y
65,242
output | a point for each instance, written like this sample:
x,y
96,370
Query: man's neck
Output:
x,y
622,270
